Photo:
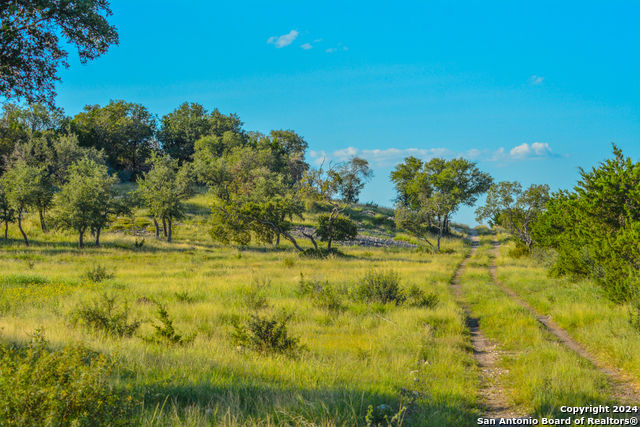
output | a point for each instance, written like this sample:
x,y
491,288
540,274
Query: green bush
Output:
x,y
416,297
97,274
518,252
382,287
70,387
165,333
106,316
267,335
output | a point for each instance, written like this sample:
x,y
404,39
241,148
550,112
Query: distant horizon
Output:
x,y
529,93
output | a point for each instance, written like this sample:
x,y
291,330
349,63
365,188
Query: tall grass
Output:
x,y
540,374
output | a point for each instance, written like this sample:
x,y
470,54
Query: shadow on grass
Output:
x,y
299,406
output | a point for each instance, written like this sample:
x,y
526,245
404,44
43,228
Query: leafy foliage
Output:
x,y
87,200
165,333
380,286
429,193
510,207
98,273
30,49
267,335
70,387
596,228
165,188
340,228
107,316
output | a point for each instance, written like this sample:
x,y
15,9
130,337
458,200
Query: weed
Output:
x,y
254,296
382,287
380,416
416,297
165,332
328,298
447,251
106,316
97,274
267,335
186,297
288,262
140,244
62,388
545,257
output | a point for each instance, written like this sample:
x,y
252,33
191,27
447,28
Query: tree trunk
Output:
x,y
6,230
81,239
169,227
98,237
26,242
310,237
155,222
164,227
329,243
278,240
43,226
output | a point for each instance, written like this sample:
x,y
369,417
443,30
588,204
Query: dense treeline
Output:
x,y
64,168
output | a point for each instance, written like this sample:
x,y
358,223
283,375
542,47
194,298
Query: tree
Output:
x,y
86,200
353,175
185,125
429,193
507,205
7,212
124,130
345,179
30,47
595,228
164,189
21,184
12,131
259,211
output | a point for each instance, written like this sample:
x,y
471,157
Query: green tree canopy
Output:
x,y
22,185
124,130
596,227
188,123
164,189
429,193
87,199
510,207
30,46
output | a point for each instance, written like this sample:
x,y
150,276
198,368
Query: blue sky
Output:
x,y
529,90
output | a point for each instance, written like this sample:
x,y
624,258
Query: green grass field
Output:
x,y
410,358
353,355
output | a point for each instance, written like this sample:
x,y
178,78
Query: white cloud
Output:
x,y
537,150
317,40
345,48
392,156
306,46
379,158
535,80
331,50
284,40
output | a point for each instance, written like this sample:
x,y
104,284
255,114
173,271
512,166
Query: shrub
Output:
x,y
289,262
518,252
416,297
328,298
267,335
545,257
165,332
382,287
106,316
40,387
97,274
